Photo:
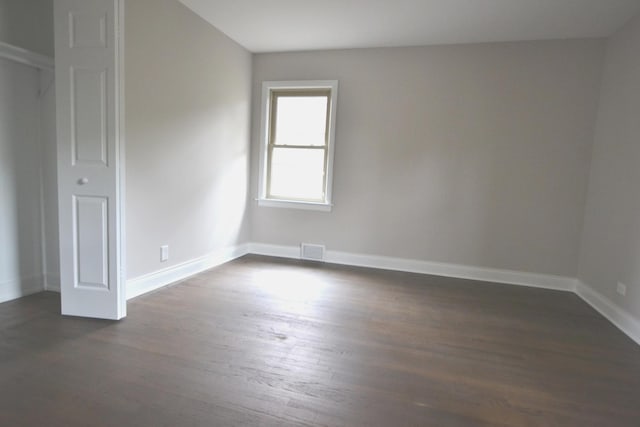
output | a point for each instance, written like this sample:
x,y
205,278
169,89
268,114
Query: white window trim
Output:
x,y
264,141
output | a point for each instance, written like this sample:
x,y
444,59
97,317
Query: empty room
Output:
x,y
332,213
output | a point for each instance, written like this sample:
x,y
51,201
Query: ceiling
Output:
x,y
289,25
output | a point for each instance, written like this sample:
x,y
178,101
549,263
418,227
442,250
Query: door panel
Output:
x,y
87,29
89,116
91,261
90,156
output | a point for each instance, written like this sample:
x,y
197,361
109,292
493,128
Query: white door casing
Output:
x,y
89,104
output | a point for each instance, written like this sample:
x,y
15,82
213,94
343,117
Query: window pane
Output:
x,y
301,120
297,173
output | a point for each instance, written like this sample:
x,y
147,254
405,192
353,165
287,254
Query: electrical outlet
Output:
x,y
622,289
164,253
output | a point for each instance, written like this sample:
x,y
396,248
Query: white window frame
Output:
x,y
267,88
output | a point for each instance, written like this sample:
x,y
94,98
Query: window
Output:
x,y
298,127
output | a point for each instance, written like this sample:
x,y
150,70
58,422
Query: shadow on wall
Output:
x,y
49,153
195,173
20,225
28,24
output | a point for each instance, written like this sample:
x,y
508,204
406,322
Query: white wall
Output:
x,y
611,243
20,238
187,136
28,24
475,154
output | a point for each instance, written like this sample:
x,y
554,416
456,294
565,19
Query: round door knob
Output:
x,y
83,181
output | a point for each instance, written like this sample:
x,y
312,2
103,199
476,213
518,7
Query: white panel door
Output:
x,y
89,85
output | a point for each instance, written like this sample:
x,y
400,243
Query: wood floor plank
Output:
x,y
270,342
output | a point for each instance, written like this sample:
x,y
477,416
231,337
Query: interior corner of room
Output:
x,y
513,162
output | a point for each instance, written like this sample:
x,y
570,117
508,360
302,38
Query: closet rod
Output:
x,y
26,57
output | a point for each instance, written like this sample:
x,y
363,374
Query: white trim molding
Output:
x,y
611,311
459,271
18,288
158,279
26,57
292,204
268,90
494,275
279,251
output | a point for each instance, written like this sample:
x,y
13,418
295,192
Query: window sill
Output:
x,y
291,204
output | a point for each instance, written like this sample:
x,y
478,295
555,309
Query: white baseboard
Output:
x,y
279,251
14,289
616,315
152,281
610,310
484,274
520,278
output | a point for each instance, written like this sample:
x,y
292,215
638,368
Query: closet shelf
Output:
x,y
26,57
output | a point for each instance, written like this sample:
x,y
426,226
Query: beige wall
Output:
x,y
474,154
27,24
187,136
611,242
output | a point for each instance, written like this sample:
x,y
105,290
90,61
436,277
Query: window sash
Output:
x,y
296,93
270,195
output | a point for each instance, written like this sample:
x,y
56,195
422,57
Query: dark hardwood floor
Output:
x,y
266,342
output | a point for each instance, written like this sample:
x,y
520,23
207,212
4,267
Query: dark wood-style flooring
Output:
x,y
267,342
